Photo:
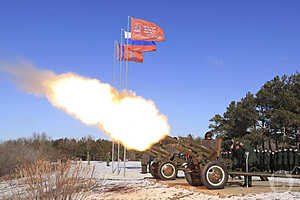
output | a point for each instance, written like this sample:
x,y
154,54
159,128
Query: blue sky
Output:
x,y
213,53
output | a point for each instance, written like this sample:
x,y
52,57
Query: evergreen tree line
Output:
x,y
270,118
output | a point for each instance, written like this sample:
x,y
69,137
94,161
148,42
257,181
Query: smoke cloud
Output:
x,y
27,77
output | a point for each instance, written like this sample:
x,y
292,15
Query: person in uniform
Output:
x,y
291,159
259,165
285,159
297,161
246,147
262,160
279,161
266,160
234,156
272,161
240,155
208,136
297,156
276,161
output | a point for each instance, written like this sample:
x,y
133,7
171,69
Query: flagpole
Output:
x,y
121,51
126,86
115,62
127,53
115,85
120,60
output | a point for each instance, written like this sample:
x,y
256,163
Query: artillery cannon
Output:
x,y
202,166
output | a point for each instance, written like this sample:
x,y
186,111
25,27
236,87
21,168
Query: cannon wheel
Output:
x,y
192,178
153,170
167,171
214,175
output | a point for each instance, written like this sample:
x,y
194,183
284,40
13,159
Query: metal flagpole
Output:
x,y
126,87
115,62
121,52
127,54
115,85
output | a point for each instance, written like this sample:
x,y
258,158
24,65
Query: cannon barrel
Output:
x,y
205,150
158,152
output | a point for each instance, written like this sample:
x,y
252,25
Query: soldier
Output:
x,y
234,156
266,160
272,161
240,155
262,160
259,160
291,159
276,161
279,160
297,156
208,136
285,159
251,161
297,161
227,144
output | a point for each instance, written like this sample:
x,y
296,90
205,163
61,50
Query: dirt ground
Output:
x,y
233,187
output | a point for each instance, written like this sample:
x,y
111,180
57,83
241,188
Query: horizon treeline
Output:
x,y
40,146
268,119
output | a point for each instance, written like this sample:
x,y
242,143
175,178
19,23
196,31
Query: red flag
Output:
x,y
140,48
118,52
144,30
131,56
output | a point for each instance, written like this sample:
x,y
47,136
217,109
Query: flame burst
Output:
x,y
127,118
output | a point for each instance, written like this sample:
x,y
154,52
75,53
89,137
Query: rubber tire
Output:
x,y
154,170
160,174
193,179
205,170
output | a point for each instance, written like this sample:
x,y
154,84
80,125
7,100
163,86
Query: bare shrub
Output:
x,y
60,181
16,152
12,155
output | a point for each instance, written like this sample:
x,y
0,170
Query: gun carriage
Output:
x,y
200,163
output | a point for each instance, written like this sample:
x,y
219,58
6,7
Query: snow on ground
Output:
x,y
134,186
7,187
